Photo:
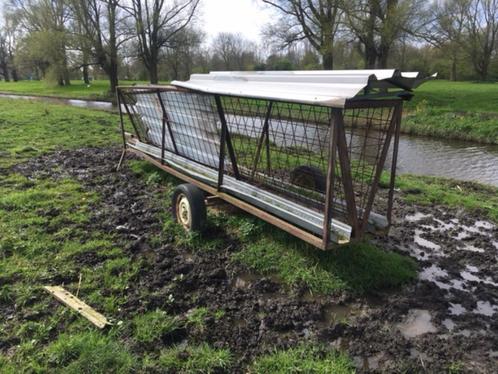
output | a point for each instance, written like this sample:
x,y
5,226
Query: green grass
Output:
x,y
454,110
97,90
302,359
89,352
150,327
357,267
29,128
432,191
195,359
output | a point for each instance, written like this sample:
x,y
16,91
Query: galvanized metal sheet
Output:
x,y
322,87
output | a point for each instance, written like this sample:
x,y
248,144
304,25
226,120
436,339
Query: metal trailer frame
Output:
x,y
360,220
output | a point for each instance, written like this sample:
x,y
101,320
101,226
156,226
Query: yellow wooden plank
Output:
x,y
74,303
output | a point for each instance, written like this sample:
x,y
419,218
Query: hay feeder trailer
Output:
x,y
304,151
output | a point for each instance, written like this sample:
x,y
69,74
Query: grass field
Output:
x,y
458,110
46,225
97,90
443,109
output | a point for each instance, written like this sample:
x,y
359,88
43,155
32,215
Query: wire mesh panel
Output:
x,y
321,163
189,120
285,147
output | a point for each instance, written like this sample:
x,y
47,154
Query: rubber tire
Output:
x,y
315,175
196,200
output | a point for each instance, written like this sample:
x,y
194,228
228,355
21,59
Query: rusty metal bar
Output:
x,y
224,131
329,190
378,172
394,161
264,133
166,122
131,119
227,138
121,122
347,179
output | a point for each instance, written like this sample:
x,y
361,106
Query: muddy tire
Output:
x,y
309,177
189,207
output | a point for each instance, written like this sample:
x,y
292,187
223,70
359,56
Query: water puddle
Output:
x,y
456,309
335,313
245,280
424,242
484,225
368,363
471,277
472,248
418,322
449,324
485,308
418,216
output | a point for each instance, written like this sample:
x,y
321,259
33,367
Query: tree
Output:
x,y
447,32
316,21
232,52
106,29
183,48
156,24
44,22
482,28
379,24
4,57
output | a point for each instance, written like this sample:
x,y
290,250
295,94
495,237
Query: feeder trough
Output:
x,y
311,152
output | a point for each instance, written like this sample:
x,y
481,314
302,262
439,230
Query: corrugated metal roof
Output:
x,y
324,87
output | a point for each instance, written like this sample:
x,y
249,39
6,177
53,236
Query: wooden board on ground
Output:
x,y
74,303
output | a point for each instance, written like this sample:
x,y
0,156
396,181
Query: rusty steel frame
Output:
x,y
337,148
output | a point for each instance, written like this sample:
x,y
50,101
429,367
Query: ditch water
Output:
x,y
417,155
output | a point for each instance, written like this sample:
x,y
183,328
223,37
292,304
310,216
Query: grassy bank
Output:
x,y
454,110
48,232
96,90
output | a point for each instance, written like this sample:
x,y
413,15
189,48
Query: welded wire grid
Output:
x,y
285,147
190,122
367,133
281,146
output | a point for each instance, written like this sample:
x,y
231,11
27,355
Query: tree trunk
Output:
x,y
453,72
370,57
328,60
15,78
86,76
153,76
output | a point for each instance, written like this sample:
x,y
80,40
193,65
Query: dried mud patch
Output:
x,y
446,318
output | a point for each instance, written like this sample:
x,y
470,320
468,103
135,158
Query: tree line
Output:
x,y
60,40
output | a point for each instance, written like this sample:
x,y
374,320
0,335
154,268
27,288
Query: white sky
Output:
x,y
244,16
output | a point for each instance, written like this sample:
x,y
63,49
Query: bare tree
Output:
x,y
379,24
233,51
447,32
106,29
482,28
156,24
183,49
316,21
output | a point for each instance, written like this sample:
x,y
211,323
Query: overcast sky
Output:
x,y
244,16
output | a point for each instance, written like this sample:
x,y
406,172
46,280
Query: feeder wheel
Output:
x,y
189,207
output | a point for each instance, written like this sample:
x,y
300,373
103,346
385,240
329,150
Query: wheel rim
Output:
x,y
183,214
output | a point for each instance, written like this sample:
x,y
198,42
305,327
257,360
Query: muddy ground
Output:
x,y
448,317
